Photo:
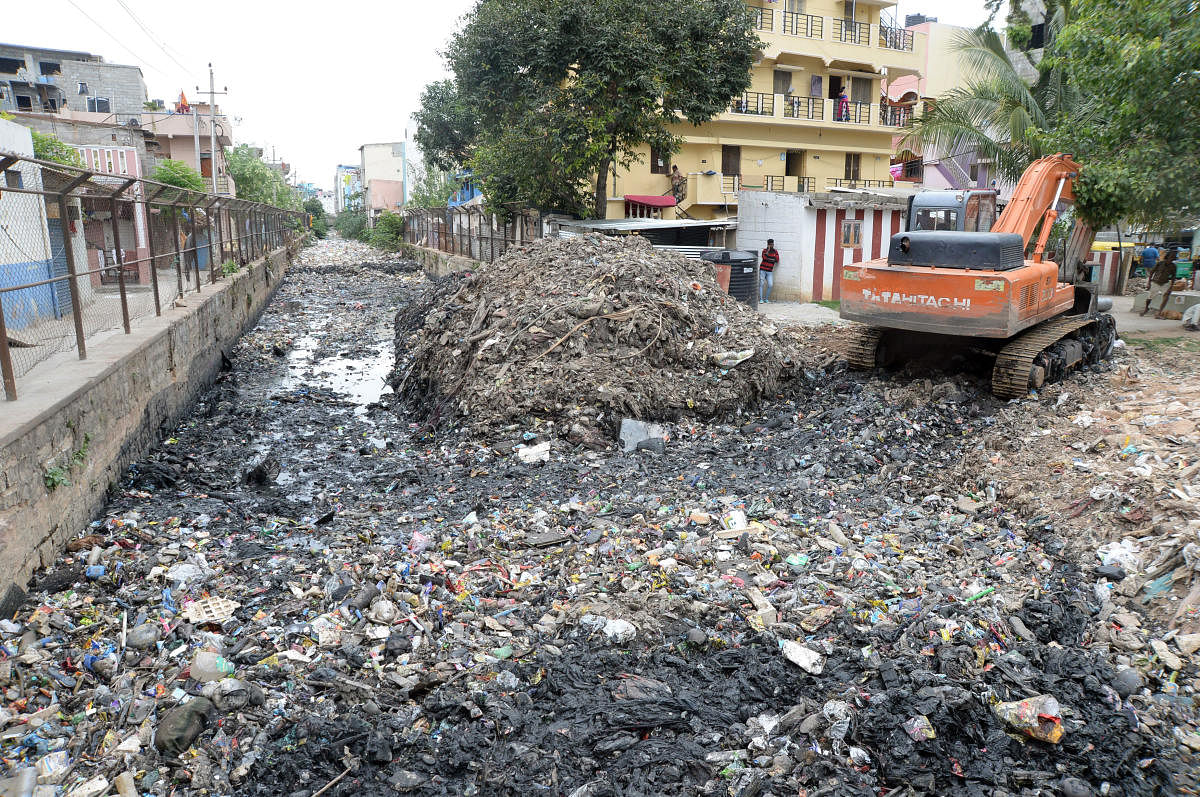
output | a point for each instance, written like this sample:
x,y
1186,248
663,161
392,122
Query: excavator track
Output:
x,y
861,354
1019,365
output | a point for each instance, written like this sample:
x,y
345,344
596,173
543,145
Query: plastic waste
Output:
x,y
143,636
729,359
837,713
919,728
633,433
20,783
208,665
534,453
803,657
181,725
1039,716
125,785
1123,553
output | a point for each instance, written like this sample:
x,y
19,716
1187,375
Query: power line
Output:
x,y
114,38
150,34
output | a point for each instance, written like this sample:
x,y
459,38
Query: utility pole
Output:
x,y
196,134
212,124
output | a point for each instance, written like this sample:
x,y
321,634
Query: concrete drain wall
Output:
x,y
69,438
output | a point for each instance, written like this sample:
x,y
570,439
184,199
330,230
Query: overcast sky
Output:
x,y
313,80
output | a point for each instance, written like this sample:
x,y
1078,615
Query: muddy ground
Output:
x,y
428,614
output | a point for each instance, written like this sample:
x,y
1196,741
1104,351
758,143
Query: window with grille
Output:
x,y
853,165
852,233
658,161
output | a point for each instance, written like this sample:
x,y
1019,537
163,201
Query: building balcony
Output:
x,y
753,103
836,39
776,182
758,106
840,182
722,189
804,25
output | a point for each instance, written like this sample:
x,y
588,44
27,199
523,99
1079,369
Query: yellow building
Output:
x,y
789,132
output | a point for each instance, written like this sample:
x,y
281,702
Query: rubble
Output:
x,y
586,331
791,597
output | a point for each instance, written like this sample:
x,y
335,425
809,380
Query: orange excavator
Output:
x,y
953,280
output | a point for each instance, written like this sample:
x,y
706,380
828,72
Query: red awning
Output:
x,y
651,201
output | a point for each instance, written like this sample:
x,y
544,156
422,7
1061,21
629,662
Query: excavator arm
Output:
x,y
1044,183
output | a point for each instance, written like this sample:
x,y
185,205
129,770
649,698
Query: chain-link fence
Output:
x,y
84,254
471,231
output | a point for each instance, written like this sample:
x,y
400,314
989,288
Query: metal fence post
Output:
x,y
6,365
175,211
150,248
240,218
220,234
195,248
119,256
69,250
212,255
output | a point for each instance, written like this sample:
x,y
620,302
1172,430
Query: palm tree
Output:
x,y
997,114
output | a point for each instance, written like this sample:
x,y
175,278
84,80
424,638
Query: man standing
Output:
x,y
1160,282
1149,258
678,184
766,271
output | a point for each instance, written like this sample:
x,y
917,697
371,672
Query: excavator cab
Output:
x,y
962,211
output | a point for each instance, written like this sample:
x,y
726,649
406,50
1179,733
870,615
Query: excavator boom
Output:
x,y
1035,194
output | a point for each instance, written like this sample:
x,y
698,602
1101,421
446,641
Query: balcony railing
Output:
x,y
841,182
895,38
808,26
775,182
803,107
805,25
845,30
819,109
858,113
895,115
764,18
754,103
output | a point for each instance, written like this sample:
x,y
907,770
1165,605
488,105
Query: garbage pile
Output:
x,y
1123,455
585,331
298,592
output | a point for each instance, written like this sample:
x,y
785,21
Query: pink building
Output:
x,y
131,223
909,95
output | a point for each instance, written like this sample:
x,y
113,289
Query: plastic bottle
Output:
x,y
211,666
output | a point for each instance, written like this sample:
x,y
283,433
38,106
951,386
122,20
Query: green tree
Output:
x,y
351,223
550,95
388,232
997,114
320,225
446,127
431,186
48,147
178,173
257,181
1138,67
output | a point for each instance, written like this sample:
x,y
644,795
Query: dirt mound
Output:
x,y
590,329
